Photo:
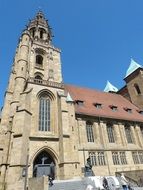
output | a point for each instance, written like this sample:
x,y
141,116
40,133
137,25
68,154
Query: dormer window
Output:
x,y
113,108
129,110
98,105
79,102
140,112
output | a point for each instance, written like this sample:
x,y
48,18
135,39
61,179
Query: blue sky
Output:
x,y
97,37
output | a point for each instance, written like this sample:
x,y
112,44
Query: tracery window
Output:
x,y
44,113
140,157
123,159
89,132
97,158
110,132
119,158
115,158
93,158
128,134
135,157
101,158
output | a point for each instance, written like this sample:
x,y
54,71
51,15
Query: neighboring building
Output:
x,y
133,90
45,121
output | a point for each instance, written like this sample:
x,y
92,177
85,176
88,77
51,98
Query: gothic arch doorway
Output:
x,y
44,164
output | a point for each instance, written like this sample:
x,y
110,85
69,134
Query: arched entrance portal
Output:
x,y
44,165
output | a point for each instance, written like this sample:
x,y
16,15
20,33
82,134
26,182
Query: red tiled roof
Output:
x,y
90,97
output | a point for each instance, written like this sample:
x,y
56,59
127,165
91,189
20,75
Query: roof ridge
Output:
x,y
92,89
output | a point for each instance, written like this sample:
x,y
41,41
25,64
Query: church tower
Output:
x,y
37,118
133,90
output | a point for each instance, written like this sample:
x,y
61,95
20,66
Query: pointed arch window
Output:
x,y
32,31
97,158
137,88
128,134
41,34
39,60
42,31
119,158
44,113
110,132
89,132
135,157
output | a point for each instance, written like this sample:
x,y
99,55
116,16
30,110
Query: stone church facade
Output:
x,y
45,121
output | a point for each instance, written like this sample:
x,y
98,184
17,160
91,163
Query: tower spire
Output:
x,y
39,28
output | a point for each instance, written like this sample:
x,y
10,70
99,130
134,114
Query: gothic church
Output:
x,y
45,121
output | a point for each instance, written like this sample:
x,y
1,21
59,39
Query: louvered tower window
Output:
x,y
39,60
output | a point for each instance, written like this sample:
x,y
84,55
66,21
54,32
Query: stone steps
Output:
x,y
114,183
69,185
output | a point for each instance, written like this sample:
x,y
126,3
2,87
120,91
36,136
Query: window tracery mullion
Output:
x,y
45,114
48,120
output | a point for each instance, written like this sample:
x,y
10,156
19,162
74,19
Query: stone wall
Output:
x,y
38,183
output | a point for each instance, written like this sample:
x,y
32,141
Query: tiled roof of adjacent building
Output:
x,y
103,104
